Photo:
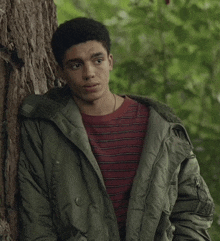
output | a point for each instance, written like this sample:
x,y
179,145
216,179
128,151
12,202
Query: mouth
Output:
x,y
90,87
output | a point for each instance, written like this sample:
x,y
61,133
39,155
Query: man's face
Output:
x,y
86,69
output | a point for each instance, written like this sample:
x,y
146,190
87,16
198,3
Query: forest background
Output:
x,y
170,53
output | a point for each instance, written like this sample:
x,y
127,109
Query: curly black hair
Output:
x,y
75,31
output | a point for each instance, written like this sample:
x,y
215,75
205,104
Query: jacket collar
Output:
x,y
162,109
58,102
46,106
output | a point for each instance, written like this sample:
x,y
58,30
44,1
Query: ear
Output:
x,y
61,72
111,60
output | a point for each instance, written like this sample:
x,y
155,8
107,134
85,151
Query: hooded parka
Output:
x,y
63,195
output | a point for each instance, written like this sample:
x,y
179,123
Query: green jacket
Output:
x,y
63,195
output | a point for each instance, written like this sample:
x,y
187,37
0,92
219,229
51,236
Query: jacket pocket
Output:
x,y
194,197
205,203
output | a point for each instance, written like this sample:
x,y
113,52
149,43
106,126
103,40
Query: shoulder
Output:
x,y
44,106
167,115
162,109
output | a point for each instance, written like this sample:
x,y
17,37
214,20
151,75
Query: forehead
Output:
x,y
84,50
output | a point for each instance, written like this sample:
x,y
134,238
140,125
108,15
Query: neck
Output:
x,y
102,106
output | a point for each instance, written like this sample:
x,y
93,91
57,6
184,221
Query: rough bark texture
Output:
x,y
26,66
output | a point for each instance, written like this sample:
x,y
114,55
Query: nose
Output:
x,y
88,71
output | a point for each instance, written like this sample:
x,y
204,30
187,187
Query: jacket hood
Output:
x,y
46,106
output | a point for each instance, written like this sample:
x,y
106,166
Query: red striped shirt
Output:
x,y
117,142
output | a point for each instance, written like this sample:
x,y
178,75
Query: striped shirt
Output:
x,y
117,141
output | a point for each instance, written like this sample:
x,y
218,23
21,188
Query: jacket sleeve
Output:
x,y
193,211
34,208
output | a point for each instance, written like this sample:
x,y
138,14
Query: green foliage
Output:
x,y
170,53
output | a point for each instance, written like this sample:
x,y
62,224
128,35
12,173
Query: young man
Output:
x,y
101,167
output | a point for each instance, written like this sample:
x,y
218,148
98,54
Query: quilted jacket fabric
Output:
x,y
63,195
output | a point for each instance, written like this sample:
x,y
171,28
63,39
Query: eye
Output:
x,y
98,61
75,66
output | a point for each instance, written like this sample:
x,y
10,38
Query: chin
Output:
x,y
90,98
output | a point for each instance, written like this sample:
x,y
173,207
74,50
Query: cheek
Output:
x,y
107,76
105,72
73,78
103,76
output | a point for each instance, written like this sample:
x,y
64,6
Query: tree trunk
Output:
x,y
26,66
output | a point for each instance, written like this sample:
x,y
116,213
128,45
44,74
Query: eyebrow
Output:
x,y
99,54
95,55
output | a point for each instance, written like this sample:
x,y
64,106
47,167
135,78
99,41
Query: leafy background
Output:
x,y
170,53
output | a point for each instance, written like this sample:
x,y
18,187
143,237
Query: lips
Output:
x,y
90,87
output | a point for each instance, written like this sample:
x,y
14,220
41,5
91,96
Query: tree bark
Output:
x,y
26,66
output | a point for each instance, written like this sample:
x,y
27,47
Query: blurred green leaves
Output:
x,y
171,53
